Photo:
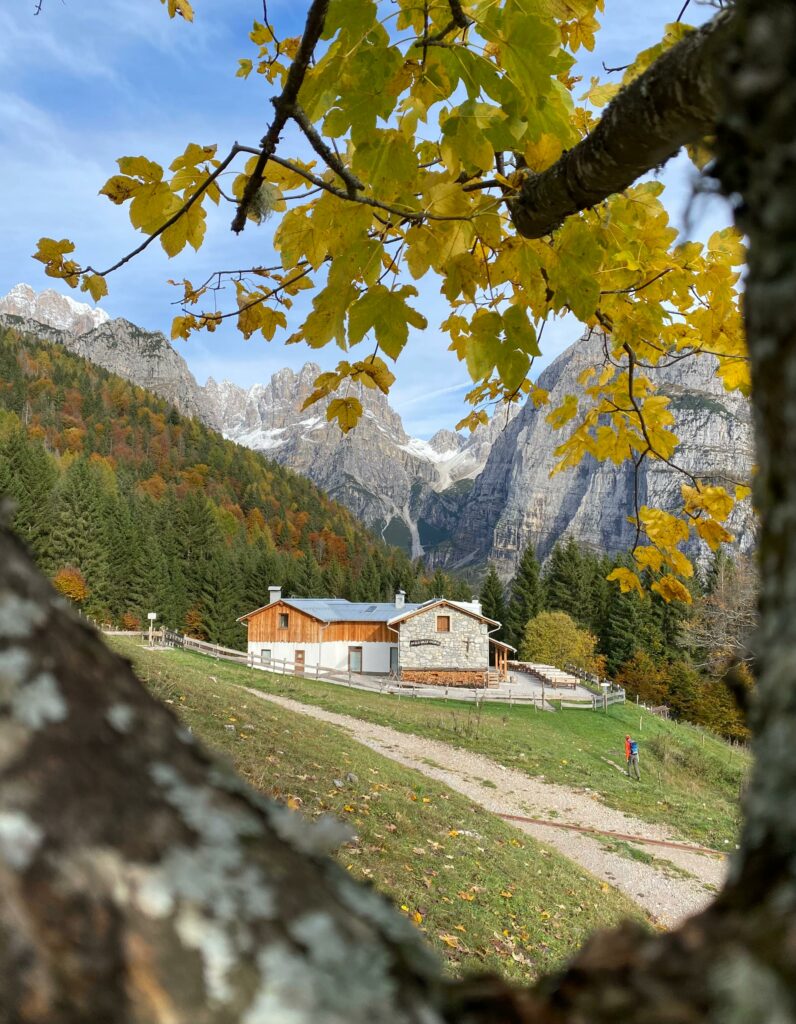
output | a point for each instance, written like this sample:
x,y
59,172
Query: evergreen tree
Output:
x,y
439,584
493,604
334,579
80,535
309,578
624,634
29,477
567,582
526,597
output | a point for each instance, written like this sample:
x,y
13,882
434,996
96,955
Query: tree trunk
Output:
x,y
142,882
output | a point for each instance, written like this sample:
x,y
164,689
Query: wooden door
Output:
x,y
299,660
354,659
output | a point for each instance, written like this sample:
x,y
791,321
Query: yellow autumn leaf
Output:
x,y
373,373
181,7
600,95
671,589
663,529
628,581
713,533
714,500
564,412
544,152
347,412
95,285
449,940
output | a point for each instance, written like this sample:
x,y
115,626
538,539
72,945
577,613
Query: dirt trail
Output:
x,y
668,892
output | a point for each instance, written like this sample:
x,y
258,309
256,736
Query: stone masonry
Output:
x,y
458,657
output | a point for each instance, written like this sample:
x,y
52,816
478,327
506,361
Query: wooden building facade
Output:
x,y
439,641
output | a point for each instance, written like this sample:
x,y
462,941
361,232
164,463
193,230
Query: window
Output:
x,y
443,623
284,620
265,657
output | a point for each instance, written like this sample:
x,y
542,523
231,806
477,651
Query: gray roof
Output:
x,y
337,609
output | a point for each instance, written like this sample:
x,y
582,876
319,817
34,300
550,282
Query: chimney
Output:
x,y
476,605
400,599
274,594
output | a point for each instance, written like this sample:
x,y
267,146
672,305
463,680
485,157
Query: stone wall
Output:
x,y
445,677
462,651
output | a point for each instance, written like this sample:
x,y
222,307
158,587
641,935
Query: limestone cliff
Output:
x,y
515,501
408,489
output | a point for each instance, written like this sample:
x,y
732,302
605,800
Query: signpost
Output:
x,y
151,616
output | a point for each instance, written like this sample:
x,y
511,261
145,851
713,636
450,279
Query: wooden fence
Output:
x,y
382,685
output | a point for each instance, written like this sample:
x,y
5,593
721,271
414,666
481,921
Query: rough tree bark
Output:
x,y
141,882
674,103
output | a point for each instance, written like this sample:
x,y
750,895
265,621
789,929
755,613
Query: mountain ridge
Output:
x,y
459,501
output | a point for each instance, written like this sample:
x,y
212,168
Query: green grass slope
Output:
x,y
690,781
486,896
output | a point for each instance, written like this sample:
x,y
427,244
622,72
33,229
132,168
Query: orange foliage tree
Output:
x,y
71,582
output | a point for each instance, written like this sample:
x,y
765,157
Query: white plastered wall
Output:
x,y
333,654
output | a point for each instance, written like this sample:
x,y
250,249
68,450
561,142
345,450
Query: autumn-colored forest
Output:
x,y
131,507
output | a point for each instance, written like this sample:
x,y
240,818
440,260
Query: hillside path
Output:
x,y
678,883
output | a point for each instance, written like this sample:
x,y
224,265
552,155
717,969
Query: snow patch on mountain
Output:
x,y
53,309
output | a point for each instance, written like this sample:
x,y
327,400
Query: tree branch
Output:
x,y
352,183
674,103
200,191
284,105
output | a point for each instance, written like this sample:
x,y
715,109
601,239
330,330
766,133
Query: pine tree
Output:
x,y
624,633
526,598
566,582
493,604
309,580
334,579
29,477
80,531
438,584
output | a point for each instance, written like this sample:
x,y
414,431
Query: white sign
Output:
x,y
151,615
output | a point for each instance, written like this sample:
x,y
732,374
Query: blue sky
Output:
x,y
87,81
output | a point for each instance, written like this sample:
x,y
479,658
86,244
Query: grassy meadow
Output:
x,y
691,780
486,896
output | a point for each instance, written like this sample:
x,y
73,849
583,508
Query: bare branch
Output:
x,y
284,105
194,197
328,155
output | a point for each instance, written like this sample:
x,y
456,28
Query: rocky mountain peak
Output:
x,y
53,309
447,441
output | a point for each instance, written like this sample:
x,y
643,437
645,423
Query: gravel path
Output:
x,y
667,892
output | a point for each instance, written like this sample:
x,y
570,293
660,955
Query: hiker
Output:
x,y
631,750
